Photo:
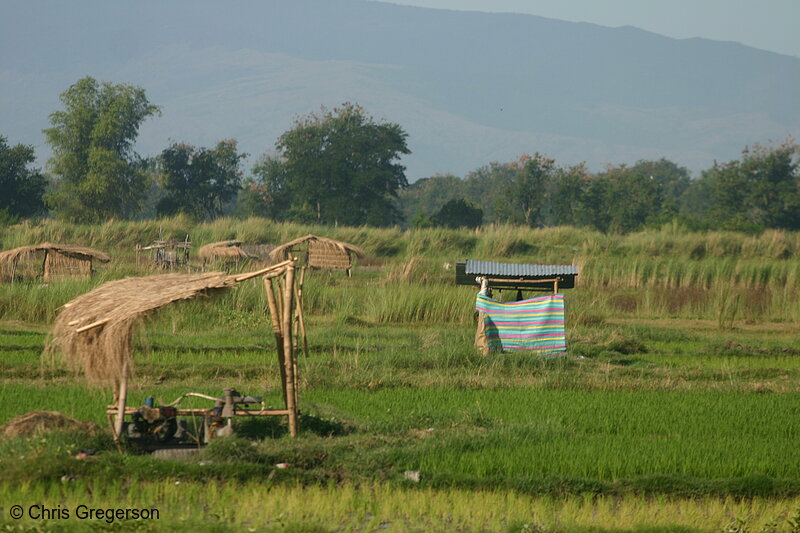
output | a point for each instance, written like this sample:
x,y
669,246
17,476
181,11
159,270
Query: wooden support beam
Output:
x,y
288,352
122,398
195,411
275,315
263,271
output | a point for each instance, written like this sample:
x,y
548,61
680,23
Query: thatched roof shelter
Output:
x,y
226,250
94,332
59,260
319,252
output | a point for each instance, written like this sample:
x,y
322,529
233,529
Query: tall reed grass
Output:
x,y
723,276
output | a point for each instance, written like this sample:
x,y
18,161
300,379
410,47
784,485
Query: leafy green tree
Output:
x,y
266,193
458,213
420,221
485,186
426,196
199,181
523,199
624,199
21,187
92,138
632,201
674,181
341,166
565,196
761,190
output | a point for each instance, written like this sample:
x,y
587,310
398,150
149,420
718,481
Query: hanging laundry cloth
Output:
x,y
535,325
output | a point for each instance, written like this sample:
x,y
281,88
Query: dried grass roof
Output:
x,y
282,251
223,249
70,250
94,332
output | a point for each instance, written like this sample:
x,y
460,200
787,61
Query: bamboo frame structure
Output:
x,y
93,332
167,255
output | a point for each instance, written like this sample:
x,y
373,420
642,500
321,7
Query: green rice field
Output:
x,y
676,409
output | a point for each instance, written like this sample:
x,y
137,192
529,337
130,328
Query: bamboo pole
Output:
x,y
301,320
248,275
288,353
45,270
276,330
121,399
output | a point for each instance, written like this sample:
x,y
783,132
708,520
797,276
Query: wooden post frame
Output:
x,y
288,349
94,333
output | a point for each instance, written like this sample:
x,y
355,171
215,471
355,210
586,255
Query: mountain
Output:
x,y
468,87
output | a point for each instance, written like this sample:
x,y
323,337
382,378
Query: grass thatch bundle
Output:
x,y
94,332
231,250
320,252
37,423
59,260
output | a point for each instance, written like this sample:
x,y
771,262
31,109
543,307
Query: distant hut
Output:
x,y
166,254
228,252
319,252
51,261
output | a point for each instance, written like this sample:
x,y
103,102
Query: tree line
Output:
x,y
341,166
758,191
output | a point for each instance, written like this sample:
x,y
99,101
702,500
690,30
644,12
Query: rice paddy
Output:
x,y
677,409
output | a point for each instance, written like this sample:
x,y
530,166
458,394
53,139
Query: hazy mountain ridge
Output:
x,y
468,87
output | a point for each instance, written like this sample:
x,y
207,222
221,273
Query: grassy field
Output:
x,y
678,408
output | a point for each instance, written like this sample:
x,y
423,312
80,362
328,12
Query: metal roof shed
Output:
x,y
516,276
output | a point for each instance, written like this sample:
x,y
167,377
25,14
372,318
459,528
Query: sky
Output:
x,y
765,24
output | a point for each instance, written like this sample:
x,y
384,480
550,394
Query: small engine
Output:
x,y
158,424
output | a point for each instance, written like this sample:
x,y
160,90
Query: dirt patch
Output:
x,y
38,423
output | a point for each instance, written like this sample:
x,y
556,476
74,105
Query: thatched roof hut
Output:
x,y
59,260
319,252
229,251
94,332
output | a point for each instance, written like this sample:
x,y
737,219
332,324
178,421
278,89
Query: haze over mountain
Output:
x,y
468,87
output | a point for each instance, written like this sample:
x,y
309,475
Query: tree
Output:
x,y
485,185
266,193
458,213
423,198
198,181
21,187
674,181
624,199
762,190
100,176
632,201
341,167
565,196
522,199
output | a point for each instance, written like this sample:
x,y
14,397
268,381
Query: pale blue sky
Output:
x,y
772,25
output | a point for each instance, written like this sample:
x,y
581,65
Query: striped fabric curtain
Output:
x,y
535,325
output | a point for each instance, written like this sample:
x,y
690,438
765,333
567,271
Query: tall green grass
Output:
x,y
722,276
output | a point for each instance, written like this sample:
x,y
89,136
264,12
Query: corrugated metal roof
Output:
x,y
491,268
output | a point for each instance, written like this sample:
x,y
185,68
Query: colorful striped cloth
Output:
x,y
535,325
